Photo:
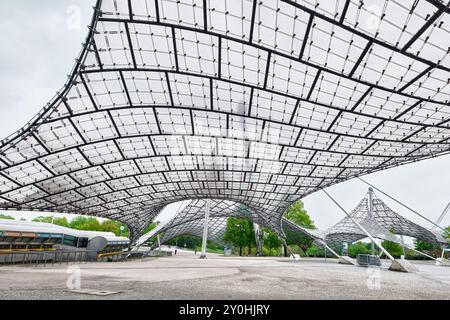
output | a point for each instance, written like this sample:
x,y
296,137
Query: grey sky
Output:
x,y
40,40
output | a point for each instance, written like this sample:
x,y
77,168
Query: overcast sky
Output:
x,y
41,39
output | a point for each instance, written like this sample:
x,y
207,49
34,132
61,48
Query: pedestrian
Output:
x,y
195,251
175,251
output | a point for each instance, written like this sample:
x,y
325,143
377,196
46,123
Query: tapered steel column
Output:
x,y
205,230
370,206
258,238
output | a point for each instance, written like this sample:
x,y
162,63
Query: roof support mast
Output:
x,y
370,206
205,229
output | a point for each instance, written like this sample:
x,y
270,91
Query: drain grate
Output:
x,y
94,292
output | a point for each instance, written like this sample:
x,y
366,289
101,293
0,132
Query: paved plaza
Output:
x,y
186,277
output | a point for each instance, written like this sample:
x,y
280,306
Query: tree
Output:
x,y
447,234
47,219
271,240
150,227
239,232
187,241
110,226
59,221
313,250
393,248
85,223
298,215
423,246
5,217
358,248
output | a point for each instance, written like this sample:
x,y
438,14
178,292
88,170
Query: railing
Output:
x,y
37,258
59,257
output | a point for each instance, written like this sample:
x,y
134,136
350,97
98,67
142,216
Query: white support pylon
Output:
x,y
258,236
205,230
370,207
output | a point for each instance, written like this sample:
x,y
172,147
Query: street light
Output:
x,y
122,229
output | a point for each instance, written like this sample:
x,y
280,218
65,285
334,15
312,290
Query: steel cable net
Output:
x,y
190,220
382,223
258,102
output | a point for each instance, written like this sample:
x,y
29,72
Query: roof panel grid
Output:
x,y
58,135
259,102
108,90
146,88
190,91
227,18
231,98
332,47
112,45
23,150
280,27
243,63
272,107
135,122
290,77
121,169
139,147
96,126
338,92
152,46
197,52
28,172
182,12
102,152
393,70
65,161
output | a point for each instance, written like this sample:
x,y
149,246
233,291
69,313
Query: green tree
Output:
x,y
239,232
59,221
187,241
447,234
271,240
358,248
5,217
297,214
150,227
110,226
423,246
393,248
85,223
43,219
313,250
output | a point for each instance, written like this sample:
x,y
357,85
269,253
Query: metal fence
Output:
x,y
59,257
37,258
